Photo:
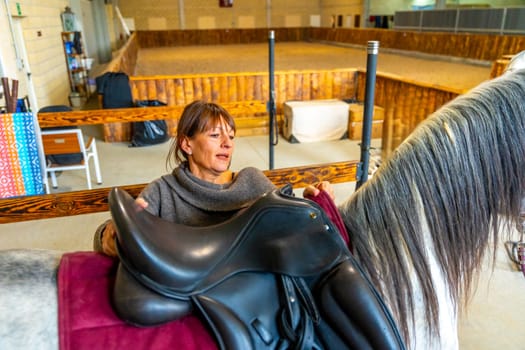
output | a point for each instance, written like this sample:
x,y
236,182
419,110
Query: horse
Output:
x,y
420,226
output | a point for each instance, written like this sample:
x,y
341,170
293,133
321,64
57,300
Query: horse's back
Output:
x,y
28,299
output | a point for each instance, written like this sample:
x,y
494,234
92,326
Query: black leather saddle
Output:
x,y
277,275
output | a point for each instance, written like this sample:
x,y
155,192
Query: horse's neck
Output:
x,y
448,332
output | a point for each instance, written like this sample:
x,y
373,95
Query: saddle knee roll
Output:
x,y
141,306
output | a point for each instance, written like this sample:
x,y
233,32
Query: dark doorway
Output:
x,y
225,3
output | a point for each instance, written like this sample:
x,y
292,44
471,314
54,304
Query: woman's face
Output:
x,y
210,152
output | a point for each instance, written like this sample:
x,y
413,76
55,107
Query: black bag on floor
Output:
x,y
115,90
150,132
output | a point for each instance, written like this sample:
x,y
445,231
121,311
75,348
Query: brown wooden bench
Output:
x,y
95,200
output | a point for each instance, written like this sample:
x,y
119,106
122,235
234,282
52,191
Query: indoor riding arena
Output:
x,y
324,69
413,79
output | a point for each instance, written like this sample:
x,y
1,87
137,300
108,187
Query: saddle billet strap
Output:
x,y
306,298
290,314
299,314
252,311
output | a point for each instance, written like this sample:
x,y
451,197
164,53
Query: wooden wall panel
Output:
x,y
228,88
179,91
188,90
170,92
261,88
163,38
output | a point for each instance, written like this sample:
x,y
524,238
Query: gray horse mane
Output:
x,y
466,165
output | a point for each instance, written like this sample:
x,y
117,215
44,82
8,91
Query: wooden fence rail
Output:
x,y
476,46
405,102
95,200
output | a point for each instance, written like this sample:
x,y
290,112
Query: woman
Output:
x,y
201,190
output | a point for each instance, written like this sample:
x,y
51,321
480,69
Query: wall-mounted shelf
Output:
x,y
76,63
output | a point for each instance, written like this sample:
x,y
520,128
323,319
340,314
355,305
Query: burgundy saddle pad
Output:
x,y
86,319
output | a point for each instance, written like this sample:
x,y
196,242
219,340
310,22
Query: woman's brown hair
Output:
x,y
197,117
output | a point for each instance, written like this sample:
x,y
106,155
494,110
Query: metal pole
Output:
x,y
371,64
271,104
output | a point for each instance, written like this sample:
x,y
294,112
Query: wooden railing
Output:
x,y
245,90
246,86
475,46
102,116
96,200
163,38
125,58
405,102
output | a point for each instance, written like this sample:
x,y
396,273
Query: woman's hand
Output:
x,y
108,235
108,240
141,202
313,190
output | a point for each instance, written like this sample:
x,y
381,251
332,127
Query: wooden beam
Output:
x,y
138,114
95,200
103,116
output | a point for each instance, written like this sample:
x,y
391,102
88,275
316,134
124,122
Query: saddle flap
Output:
x,y
242,311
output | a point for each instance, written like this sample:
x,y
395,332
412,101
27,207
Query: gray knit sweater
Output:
x,y
183,198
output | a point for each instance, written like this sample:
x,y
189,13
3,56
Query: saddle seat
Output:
x,y
276,234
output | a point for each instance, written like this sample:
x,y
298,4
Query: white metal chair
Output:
x,y
67,141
